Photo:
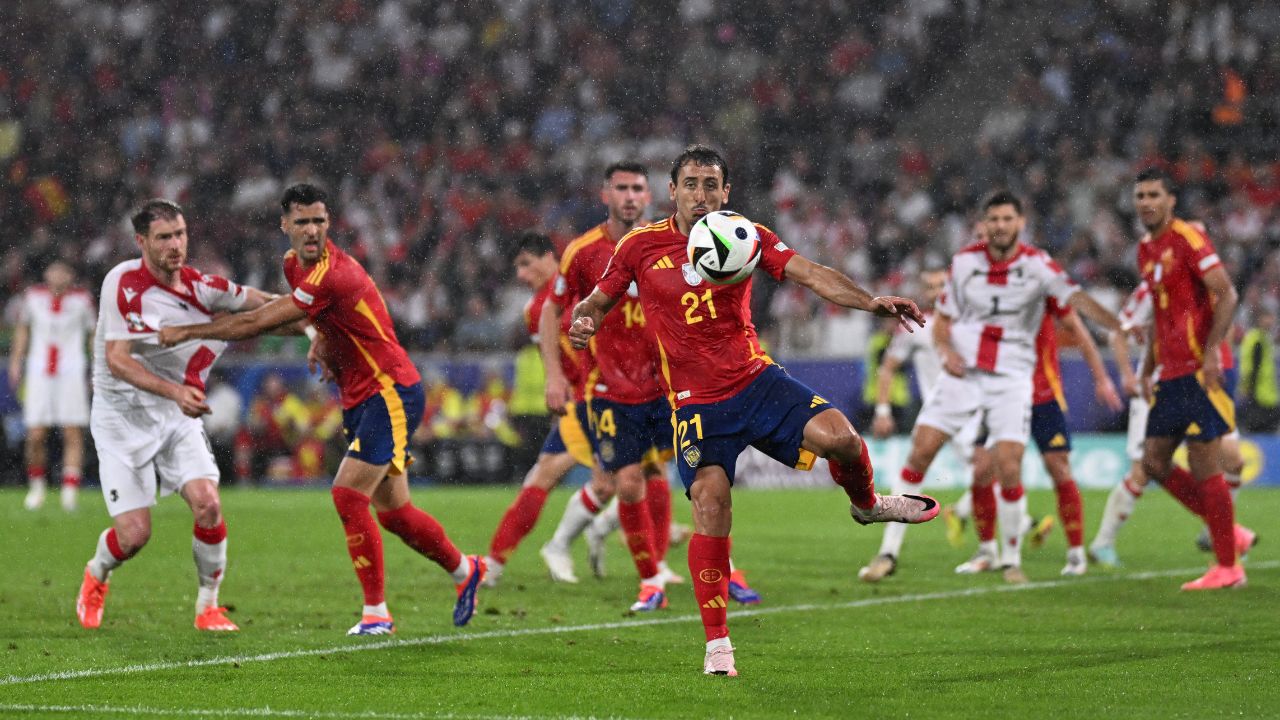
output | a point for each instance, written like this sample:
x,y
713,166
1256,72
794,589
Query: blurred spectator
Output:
x,y
1259,395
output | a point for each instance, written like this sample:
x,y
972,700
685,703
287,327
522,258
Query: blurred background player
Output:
x,y
1193,302
917,348
49,352
382,399
726,392
1052,437
566,444
984,329
147,402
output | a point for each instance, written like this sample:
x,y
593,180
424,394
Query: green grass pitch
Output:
x,y
925,643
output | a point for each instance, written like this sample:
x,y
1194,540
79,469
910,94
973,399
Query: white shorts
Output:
x,y
1002,404
1138,411
135,459
55,401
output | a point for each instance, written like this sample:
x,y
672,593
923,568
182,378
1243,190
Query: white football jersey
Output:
x,y
134,306
917,348
58,326
996,308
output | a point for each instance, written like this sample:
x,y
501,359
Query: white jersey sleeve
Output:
x,y
1058,285
917,348
219,294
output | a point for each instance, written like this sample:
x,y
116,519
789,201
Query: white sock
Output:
x,y
379,610
607,521
211,567
1076,556
576,518
719,643
460,573
1010,515
659,580
963,508
894,533
989,547
103,561
1234,489
1120,504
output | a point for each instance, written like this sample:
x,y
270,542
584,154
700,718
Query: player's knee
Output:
x,y
842,443
1156,468
631,484
207,510
132,535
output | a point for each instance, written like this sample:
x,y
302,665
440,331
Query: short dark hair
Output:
x,y
302,194
1002,197
1158,174
627,166
152,210
534,243
700,154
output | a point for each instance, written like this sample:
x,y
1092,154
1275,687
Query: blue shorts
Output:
x,y
1049,427
769,415
625,433
569,434
378,429
1230,377
1183,407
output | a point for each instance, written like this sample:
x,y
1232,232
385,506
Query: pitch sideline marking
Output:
x,y
499,634
271,712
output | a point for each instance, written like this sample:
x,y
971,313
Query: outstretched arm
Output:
x,y
557,390
836,287
1103,388
237,326
18,355
1119,342
1225,299
1087,306
122,364
587,316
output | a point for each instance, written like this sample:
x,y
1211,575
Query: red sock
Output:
x,y
1071,512
35,472
709,572
857,478
421,532
1184,489
984,511
1012,494
364,541
517,522
208,536
1220,515
113,545
657,493
71,479
589,500
912,477
637,526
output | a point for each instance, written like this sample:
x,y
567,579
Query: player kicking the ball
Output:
x,y
382,401
147,401
726,392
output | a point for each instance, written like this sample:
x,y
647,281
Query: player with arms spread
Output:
x,y
147,402
1193,301
382,401
726,392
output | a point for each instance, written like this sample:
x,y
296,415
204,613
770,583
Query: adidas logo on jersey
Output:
x,y
817,400
664,264
715,603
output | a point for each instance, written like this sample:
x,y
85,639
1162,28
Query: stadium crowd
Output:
x,y
447,128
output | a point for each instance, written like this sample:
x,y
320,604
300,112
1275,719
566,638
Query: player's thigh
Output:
x,y
1204,459
185,455
1157,455
708,435
202,497
358,475
952,404
1006,408
378,428
1137,429
549,470
125,487
712,500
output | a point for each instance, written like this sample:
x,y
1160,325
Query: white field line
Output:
x,y
269,712
238,660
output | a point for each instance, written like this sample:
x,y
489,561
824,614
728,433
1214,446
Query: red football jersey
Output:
x,y
1047,380
342,302
623,351
533,310
707,346
1174,265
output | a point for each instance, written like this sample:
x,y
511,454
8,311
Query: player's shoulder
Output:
x,y
663,226
132,274
591,238
1188,233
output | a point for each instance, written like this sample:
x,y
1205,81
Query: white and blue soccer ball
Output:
x,y
724,247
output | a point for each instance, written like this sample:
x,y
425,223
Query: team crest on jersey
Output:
x,y
691,276
692,455
607,453
135,322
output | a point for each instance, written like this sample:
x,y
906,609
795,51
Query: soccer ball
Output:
x,y
724,247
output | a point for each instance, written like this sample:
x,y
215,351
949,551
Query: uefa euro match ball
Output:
x,y
724,247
